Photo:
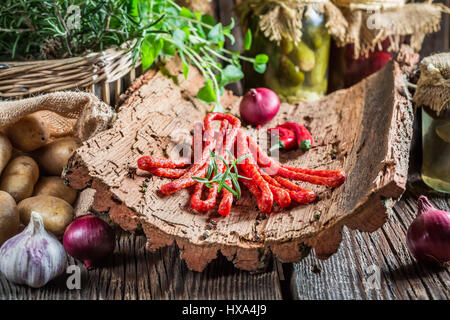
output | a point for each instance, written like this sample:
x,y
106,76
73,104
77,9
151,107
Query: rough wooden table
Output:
x,y
134,273
352,273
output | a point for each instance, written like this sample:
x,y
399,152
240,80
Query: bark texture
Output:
x,y
369,125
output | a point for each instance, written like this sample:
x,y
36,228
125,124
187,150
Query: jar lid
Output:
x,y
283,19
433,87
370,22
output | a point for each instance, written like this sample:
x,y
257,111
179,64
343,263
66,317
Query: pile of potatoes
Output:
x,y
30,177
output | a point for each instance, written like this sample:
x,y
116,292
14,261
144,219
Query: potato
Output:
x,y
56,213
53,157
29,133
5,151
9,217
55,186
19,177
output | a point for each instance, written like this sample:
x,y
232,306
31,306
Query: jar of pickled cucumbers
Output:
x,y
432,93
296,39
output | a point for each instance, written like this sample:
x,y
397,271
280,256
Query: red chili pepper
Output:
x,y
304,137
287,138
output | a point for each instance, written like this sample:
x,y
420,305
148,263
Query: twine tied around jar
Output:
x,y
283,19
433,87
372,21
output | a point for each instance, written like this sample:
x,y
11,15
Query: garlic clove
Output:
x,y
34,256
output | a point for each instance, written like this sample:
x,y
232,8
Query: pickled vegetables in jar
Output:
x,y
295,71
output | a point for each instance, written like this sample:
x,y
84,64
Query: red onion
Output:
x,y
89,239
259,106
428,236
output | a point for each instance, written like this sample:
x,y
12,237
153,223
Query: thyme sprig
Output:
x,y
54,29
221,177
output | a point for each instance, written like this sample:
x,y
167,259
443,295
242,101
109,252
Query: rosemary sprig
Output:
x,y
221,177
54,29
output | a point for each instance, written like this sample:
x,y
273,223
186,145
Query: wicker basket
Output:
x,y
106,74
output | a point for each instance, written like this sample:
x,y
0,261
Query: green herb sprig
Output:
x,y
36,29
221,177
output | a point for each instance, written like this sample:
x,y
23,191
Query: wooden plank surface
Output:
x,y
134,273
353,271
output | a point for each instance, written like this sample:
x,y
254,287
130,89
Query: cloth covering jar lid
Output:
x,y
283,19
369,22
433,87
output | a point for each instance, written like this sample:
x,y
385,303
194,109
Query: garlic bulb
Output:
x,y
33,257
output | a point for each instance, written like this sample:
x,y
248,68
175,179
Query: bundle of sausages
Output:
x,y
266,178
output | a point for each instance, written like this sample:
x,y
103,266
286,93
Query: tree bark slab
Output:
x,y
369,125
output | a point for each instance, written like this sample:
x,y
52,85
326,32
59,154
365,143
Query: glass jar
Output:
x,y
436,149
354,70
295,71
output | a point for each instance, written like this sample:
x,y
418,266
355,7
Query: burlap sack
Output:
x,y
283,19
71,113
433,87
372,21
